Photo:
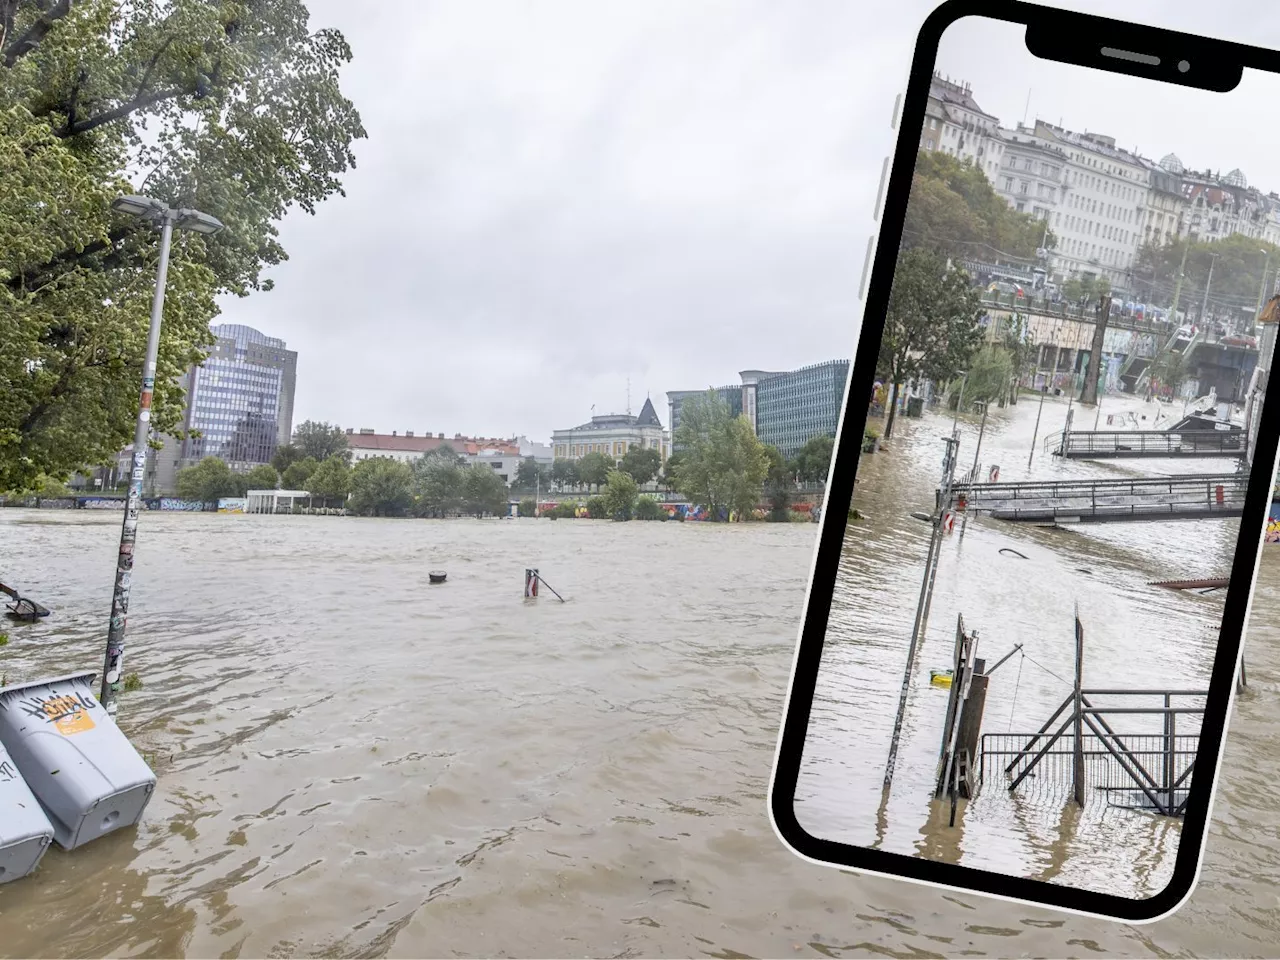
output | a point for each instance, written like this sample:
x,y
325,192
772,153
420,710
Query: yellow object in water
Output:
x,y
940,678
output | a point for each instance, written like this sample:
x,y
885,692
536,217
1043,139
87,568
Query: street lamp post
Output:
x,y
155,213
1213,257
1262,287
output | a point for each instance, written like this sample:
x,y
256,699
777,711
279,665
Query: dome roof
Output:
x,y
1235,179
1172,164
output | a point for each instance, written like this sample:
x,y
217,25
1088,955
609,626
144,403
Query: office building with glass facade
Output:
x,y
240,399
785,409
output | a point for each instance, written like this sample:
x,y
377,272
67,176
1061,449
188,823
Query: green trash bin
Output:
x,y
81,767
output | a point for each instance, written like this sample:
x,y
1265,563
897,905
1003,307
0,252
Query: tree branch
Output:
x,y
146,76
68,258
116,113
36,32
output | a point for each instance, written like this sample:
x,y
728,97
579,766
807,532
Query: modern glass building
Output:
x,y
785,409
791,408
675,398
240,399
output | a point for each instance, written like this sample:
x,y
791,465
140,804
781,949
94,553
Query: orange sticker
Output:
x,y
77,722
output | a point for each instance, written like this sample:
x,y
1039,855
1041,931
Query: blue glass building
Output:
x,y
240,399
786,409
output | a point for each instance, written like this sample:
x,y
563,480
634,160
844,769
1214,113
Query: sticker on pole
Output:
x,y
994,475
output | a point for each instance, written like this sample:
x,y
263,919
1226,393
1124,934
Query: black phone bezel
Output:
x,y
1076,38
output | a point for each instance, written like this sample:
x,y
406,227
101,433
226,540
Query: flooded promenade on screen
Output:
x,y
353,762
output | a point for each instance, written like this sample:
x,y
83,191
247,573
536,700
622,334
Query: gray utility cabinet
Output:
x,y
25,831
82,768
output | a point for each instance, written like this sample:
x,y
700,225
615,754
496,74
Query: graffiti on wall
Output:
x,y
1273,523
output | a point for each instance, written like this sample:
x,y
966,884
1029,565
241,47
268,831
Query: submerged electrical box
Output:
x,y
25,831
81,767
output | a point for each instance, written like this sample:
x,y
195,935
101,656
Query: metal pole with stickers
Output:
x,y
158,214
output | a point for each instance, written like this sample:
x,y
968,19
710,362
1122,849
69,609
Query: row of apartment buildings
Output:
x,y
1102,202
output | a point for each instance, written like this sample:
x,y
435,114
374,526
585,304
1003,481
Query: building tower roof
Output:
x,y
1172,164
648,416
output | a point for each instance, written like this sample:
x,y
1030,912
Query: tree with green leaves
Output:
x,y
232,107
931,327
779,484
208,481
532,475
299,473
319,441
641,463
670,471
437,483
620,493
1238,263
381,487
331,480
955,211
648,508
564,473
1017,342
1168,369
813,460
723,464
989,374
483,491
286,455
593,469
263,477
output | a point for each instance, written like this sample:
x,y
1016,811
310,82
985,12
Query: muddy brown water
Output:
x,y
355,763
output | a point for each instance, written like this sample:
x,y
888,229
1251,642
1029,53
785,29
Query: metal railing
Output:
x,y
1154,769
1086,444
1216,495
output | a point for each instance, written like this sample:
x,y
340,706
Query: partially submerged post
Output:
x,y
941,506
531,580
1077,759
1036,432
962,728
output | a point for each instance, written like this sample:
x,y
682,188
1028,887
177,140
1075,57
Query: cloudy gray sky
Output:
x,y
557,195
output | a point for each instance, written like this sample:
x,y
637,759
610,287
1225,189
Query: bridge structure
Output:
x,y
1199,497
1150,444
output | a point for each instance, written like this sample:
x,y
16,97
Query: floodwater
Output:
x,y
355,763
1013,584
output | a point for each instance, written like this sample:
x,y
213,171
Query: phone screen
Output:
x,y
1062,474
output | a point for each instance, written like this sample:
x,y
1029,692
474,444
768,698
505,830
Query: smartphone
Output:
x,y
1053,471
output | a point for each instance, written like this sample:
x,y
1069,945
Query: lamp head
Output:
x,y
144,208
198,222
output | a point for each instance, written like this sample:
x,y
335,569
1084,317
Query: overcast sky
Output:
x,y
558,195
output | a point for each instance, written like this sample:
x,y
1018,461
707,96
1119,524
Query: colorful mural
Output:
x,y
232,504
1273,523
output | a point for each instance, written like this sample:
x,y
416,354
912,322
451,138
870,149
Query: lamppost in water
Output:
x,y
156,214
